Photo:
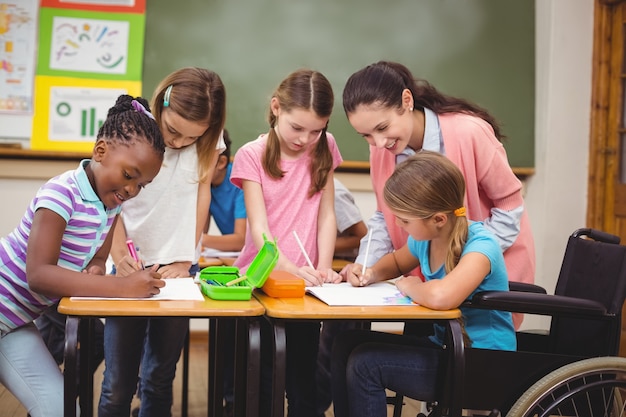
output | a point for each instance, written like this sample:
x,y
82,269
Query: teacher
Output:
x,y
399,115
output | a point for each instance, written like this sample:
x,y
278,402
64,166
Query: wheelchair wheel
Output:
x,y
590,387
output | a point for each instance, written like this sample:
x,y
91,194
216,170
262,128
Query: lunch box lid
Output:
x,y
262,264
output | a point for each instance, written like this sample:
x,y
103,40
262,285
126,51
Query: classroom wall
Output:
x,y
556,195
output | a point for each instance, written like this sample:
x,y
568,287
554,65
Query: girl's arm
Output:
x,y
229,242
326,227
124,263
327,233
450,291
390,266
46,277
351,237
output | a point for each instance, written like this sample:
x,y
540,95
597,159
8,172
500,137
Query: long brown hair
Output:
x,y
307,90
429,183
197,95
382,83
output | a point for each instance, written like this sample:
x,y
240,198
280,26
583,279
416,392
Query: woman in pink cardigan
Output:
x,y
399,115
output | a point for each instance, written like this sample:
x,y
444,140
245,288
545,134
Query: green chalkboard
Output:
x,y
482,50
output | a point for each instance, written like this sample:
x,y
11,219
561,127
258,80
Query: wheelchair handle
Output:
x,y
597,235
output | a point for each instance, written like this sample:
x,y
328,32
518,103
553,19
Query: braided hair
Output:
x,y
130,119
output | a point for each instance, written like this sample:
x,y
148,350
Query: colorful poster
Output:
x,y
71,110
77,43
120,6
18,43
89,45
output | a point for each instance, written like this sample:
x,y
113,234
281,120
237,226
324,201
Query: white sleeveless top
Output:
x,y
161,220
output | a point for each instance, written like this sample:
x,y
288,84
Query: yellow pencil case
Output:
x,y
213,279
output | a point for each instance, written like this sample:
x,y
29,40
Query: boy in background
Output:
x,y
227,207
350,226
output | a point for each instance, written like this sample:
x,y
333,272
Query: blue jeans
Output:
x,y
365,363
154,344
330,330
29,372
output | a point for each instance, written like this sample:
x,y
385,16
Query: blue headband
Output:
x,y
141,109
166,96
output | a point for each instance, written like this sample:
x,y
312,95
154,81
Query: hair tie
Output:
x,y
460,212
141,109
166,96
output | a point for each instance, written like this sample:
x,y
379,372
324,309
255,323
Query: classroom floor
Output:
x,y
198,378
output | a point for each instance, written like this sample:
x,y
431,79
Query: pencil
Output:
x,y
367,251
131,245
236,281
308,260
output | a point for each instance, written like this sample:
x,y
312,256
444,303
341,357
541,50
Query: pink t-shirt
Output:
x,y
286,201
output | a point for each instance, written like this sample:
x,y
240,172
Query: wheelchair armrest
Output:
x,y
536,303
524,287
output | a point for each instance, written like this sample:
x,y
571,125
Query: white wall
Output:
x,y
556,196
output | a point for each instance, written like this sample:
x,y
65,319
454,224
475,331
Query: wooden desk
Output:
x,y
247,314
338,264
280,310
204,262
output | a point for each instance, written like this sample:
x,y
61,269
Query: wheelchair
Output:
x,y
570,370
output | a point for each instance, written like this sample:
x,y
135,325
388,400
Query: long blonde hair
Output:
x,y
429,183
197,95
307,90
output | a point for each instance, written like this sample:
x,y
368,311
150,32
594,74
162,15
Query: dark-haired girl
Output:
x,y
61,245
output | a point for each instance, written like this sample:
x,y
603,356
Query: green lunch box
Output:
x,y
213,279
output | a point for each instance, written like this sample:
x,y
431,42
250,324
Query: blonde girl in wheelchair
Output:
x,y
457,258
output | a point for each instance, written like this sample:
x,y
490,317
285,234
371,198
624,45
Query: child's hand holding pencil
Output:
x,y
311,277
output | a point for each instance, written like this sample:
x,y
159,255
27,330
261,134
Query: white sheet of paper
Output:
x,y
216,253
175,289
344,294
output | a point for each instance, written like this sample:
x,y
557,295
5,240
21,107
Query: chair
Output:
x,y
585,313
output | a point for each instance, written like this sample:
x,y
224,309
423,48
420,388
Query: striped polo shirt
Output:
x,y
71,196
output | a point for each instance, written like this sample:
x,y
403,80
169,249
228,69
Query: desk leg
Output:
x,y
456,367
70,360
216,368
85,337
253,361
278,368
78,336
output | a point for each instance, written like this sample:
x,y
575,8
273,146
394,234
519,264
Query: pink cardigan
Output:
x,y
471,144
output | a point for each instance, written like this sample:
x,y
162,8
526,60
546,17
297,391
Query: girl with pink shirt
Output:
x,y
287,179
399,115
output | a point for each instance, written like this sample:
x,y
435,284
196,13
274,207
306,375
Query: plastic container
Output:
x,y
213,279
283,284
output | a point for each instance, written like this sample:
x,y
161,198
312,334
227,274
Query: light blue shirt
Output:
x,y
487,329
